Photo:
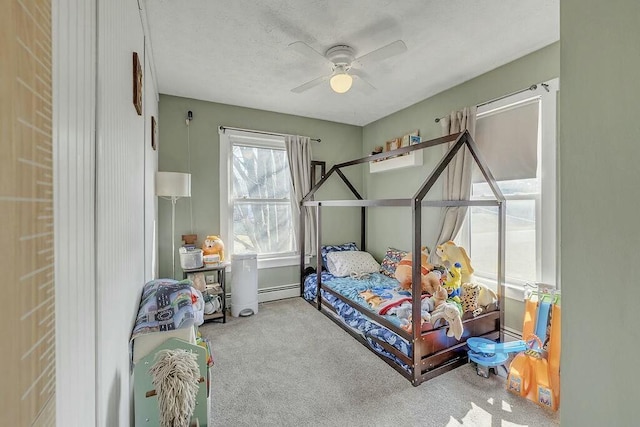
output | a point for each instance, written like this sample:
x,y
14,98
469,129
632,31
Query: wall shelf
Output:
x,y
414,158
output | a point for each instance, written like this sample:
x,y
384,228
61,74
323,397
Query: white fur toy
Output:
x,y
449,312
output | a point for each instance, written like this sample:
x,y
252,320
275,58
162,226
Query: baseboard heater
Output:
x,y
273,293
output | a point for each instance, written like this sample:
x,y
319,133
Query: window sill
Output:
x,y
287,261
511,291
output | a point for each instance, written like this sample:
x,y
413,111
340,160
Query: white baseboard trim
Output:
x,y
274,293
512,333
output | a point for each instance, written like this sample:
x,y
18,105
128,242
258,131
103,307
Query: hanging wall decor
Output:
x,y
154,131
137,84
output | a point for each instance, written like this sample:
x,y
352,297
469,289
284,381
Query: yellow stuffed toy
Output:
x,y
213,245
450,253
453,282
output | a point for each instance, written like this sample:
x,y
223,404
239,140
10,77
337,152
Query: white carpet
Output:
x,y
291,366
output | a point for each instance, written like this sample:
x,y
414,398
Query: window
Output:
x,y
255,182
517,137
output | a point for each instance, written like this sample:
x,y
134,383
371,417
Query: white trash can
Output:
x,y
244,284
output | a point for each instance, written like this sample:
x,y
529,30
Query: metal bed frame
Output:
x,y
433,353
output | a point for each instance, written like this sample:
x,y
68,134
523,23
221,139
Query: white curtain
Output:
x,y
457,179
299,155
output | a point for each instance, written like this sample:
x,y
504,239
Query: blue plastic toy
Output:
x,y
487,354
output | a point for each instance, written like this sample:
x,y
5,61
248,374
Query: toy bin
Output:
x,y
244,284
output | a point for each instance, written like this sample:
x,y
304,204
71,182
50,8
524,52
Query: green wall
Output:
x,y
600,235
340,142
536,67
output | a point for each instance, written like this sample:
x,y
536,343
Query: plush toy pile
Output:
x,y
449,287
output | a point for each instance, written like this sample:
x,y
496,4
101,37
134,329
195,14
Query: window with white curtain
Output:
x,y
255,182
517,137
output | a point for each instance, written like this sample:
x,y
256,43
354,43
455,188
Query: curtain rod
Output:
x,y
223,128
532,87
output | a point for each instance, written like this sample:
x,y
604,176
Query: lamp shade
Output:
x,y
173,184
341,83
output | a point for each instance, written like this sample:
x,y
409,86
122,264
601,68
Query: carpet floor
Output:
x,y
289,365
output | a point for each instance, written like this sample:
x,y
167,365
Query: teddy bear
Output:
x,y
213,245
430,279
450,253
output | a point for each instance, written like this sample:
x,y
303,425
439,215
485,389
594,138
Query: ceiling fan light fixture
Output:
x,y
341,82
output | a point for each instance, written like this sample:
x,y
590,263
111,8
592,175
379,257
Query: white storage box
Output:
x,y
190,258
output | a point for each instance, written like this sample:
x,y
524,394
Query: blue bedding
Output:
x,y
351,288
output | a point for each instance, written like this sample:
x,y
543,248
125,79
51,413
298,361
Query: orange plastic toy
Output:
x,y
535,373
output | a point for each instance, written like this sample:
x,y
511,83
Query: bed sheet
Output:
x,y
353,318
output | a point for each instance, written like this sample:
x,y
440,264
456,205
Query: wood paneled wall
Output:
x,y
27,331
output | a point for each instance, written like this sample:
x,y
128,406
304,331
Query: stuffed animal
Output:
x,y
213,245
371,298
403,312
476,297
451,313
439,296
486,296
429,279
453,282
469,298
450,253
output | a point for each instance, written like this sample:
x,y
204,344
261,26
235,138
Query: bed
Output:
x,y
418,353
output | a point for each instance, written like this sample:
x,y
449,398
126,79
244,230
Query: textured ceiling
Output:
x,y
236,52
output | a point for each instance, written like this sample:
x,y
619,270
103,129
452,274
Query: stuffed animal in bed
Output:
x,y
453,281
439,296
450,254
404,313
450,312
476,297
430,279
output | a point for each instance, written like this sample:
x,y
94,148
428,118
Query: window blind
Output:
x,y
508,139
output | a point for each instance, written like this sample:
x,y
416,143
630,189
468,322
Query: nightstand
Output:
x,y
218,274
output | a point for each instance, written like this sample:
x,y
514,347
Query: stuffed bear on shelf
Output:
x,y
213,245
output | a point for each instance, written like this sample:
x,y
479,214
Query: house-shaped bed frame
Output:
x,y
433,353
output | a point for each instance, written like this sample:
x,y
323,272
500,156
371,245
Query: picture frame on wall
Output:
x,y
137,83
405,140
154,131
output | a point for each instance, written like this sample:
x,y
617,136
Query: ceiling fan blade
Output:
x,y
361,76
395,48
310,84
305,50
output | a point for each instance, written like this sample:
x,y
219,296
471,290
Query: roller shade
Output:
x,y
508,140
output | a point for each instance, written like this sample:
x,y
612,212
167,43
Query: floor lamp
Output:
x,y
172,186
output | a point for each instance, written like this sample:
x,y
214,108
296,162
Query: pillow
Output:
x,y
342,264
351,246
390,261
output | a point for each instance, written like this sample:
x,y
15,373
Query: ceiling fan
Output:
x,y
342,60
